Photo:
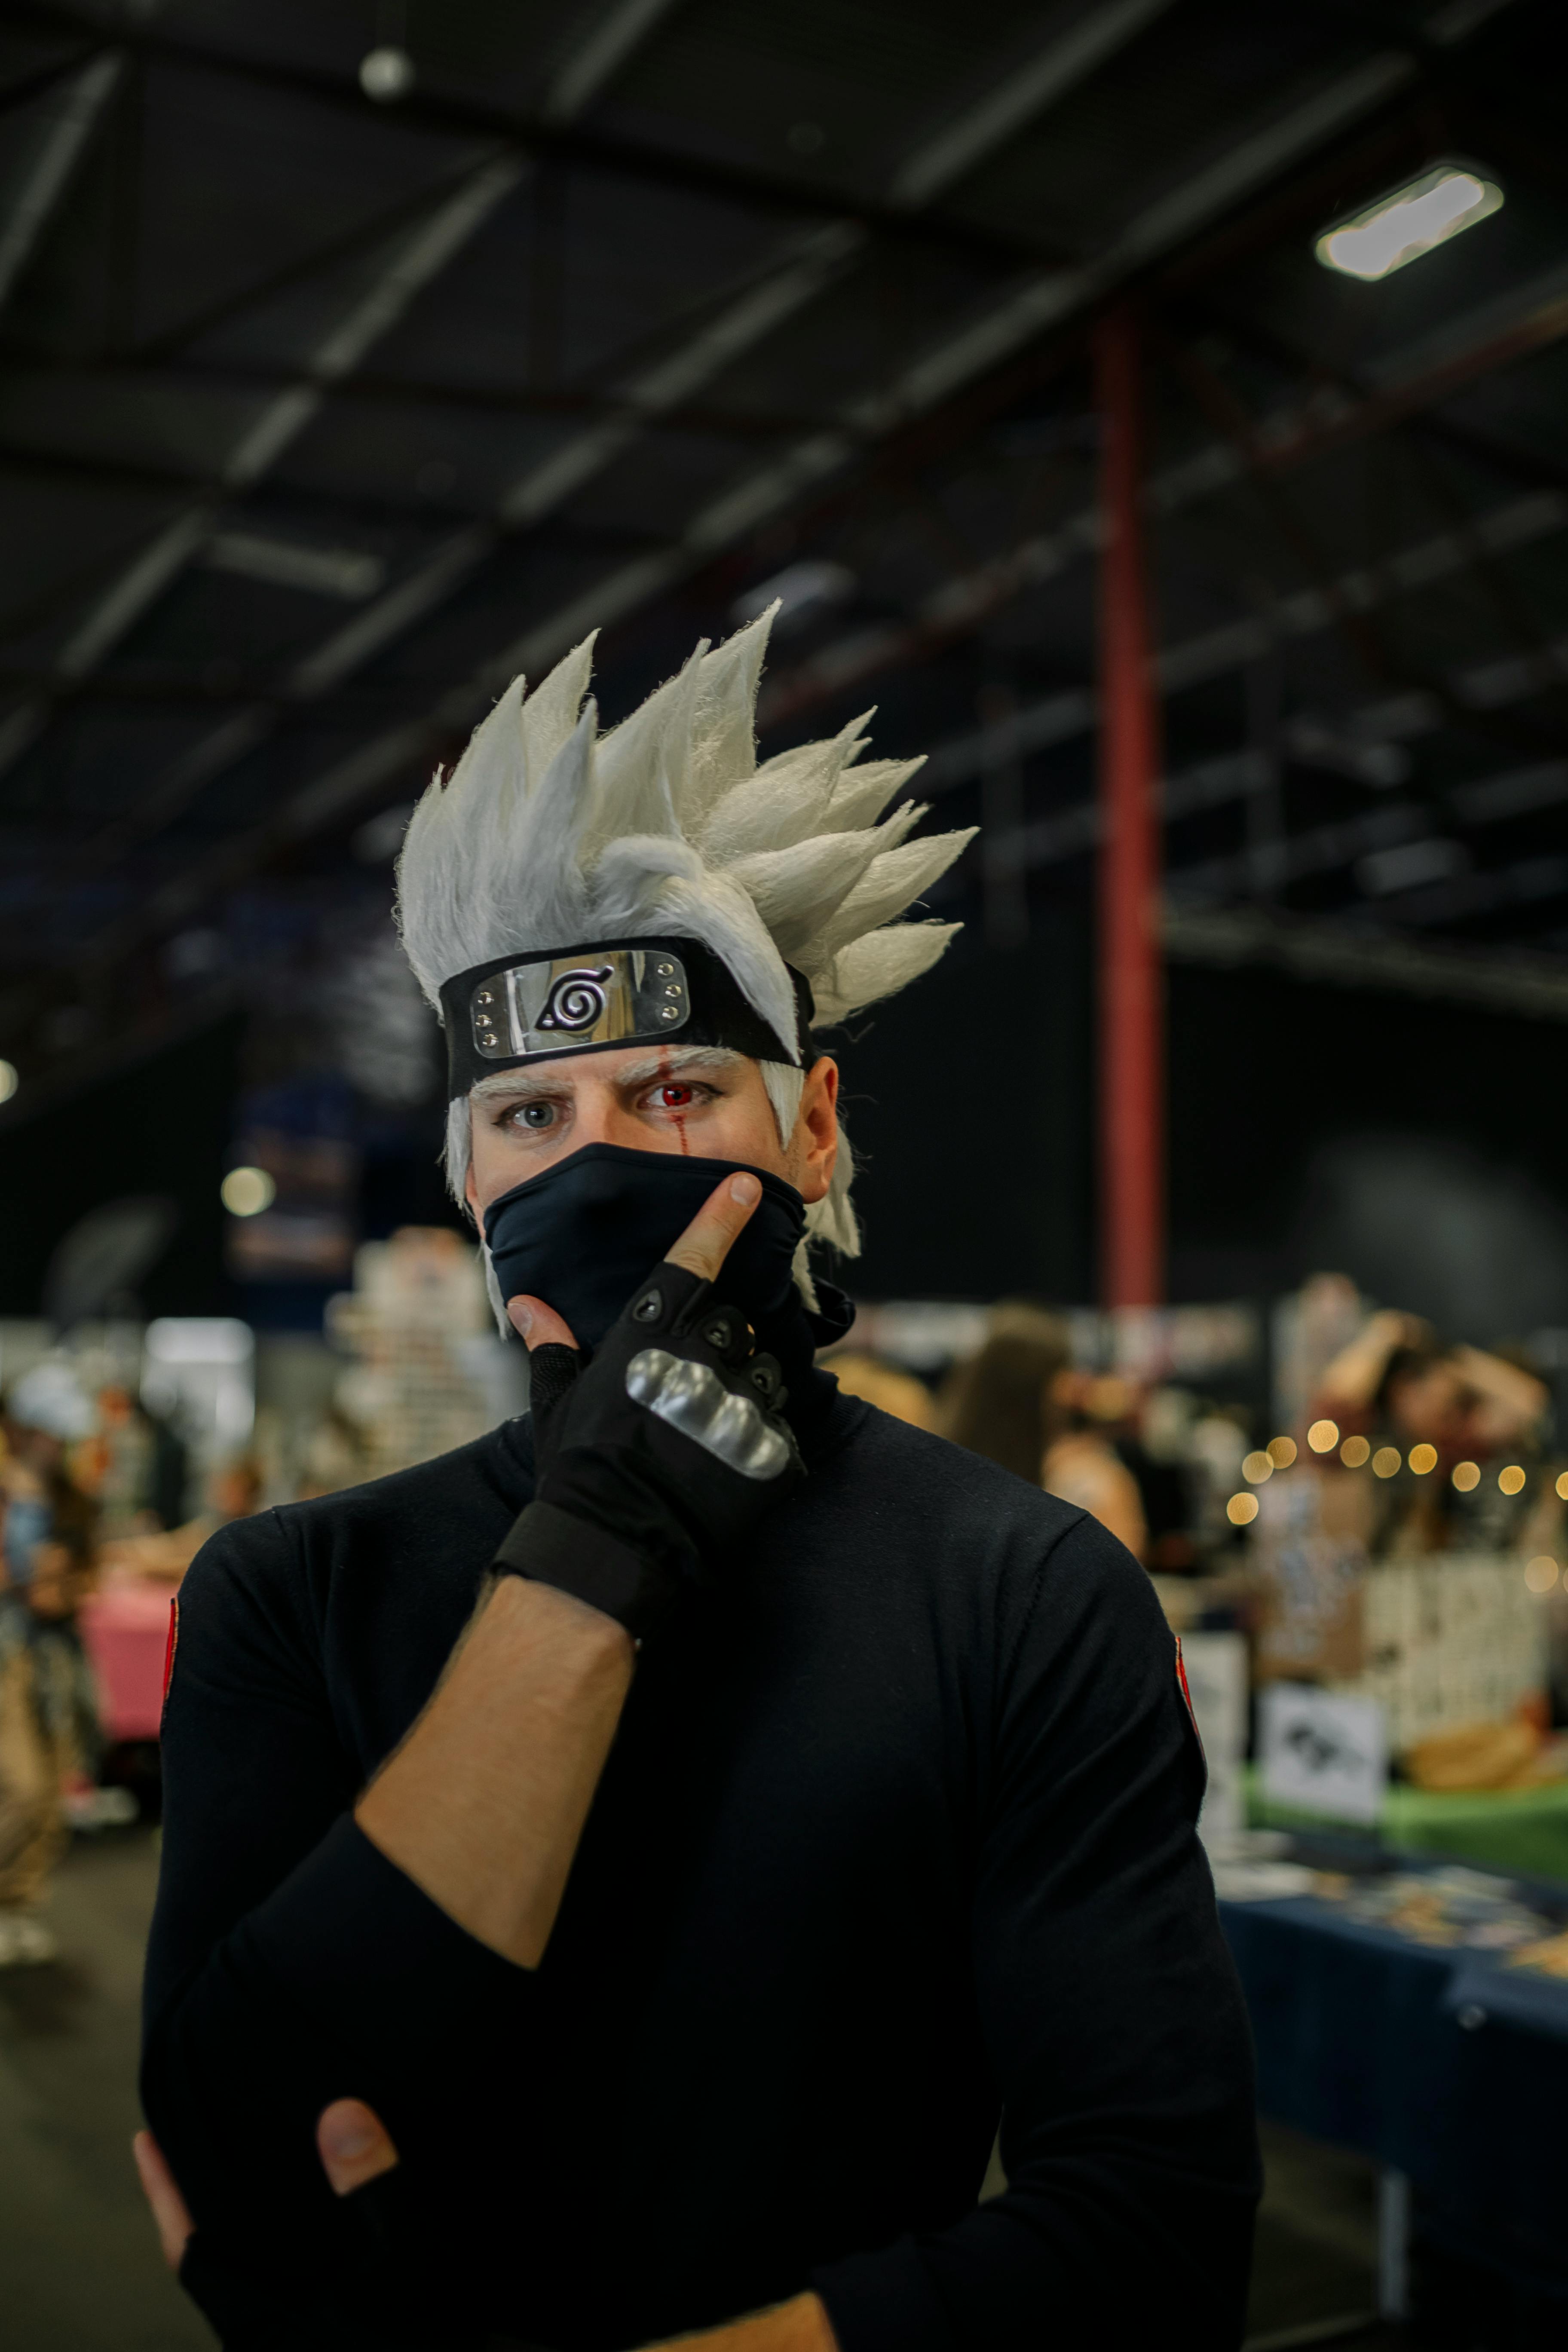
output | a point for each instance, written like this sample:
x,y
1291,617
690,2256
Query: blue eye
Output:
x,y
535,1115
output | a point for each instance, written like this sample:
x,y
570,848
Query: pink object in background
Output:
x,y
125,1631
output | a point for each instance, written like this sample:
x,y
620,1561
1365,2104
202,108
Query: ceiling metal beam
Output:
x,y
810,263
997,330
1223,651
76,112
538,139
1292,435
1024,94
992,335
403,750
570,143
1316,952
420,258
1072,831
569,403
600,54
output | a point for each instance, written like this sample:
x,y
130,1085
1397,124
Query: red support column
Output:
x,y
1131,1026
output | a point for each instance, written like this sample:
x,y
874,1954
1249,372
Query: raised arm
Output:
x,y
483,1804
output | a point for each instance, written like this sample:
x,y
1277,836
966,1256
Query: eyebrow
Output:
x,y
521,1085
682,1057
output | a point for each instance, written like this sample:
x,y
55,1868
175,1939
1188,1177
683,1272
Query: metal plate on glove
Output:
x,y
694,1400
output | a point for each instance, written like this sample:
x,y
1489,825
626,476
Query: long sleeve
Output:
x,y
1110,2010
289,1963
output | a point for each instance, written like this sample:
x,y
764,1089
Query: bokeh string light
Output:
x,y
248,1191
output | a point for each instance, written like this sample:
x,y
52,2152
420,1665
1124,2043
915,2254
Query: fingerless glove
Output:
x,y
656,1457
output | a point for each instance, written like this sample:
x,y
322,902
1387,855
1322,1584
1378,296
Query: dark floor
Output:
x,y
80,2268
1316,2251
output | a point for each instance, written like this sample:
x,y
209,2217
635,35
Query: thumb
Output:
x,y
536,1325
354,2144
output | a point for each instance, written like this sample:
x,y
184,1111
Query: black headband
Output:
x,y
591,999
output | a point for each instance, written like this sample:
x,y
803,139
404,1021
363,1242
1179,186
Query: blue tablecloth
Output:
x,y
1444,2063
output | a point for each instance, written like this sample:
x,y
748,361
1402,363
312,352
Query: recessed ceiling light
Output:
x,y
386,74
1408,221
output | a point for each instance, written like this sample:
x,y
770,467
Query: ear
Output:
x,y
817,1131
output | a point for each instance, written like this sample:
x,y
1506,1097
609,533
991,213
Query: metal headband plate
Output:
x,y
557,1004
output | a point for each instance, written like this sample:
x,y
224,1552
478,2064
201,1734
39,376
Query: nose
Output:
x,y
604,1116
619,1124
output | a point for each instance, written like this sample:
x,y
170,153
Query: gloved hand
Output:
x,y
657,1457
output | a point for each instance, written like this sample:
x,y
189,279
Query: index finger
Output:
x,y
708,1238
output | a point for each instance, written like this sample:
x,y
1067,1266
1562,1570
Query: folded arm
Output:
x,y
1110,2010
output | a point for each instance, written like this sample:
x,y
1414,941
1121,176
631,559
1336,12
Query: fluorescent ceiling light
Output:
x,y
797,588
283,563
1408,221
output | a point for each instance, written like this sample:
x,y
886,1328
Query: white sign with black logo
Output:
x,y
1216,1679
1322,1752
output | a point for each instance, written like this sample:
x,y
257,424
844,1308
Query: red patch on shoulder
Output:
x,y
170,1647
1187,1697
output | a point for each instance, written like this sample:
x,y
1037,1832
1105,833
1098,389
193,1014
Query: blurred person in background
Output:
x,y
143,1466
634,1858
160,1554
883,1385
32,1819
334,1456
1397,1385
65,1569
50,1739
30,1456
1082,1462
998,1402
1161,1454
1397,1378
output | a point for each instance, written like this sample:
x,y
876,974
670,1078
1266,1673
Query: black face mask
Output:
x,y
586,1232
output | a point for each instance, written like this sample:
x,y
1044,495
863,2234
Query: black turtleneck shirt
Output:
x,y
897,1834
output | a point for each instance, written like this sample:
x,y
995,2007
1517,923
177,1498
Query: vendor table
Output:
x,y
1521,1832
1445,2065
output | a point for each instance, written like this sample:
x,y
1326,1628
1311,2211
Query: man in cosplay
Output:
x,y
614,1876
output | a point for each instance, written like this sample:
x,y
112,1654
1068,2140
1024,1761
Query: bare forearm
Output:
x,y
1511,1401
802,2325
1352,1381
483,1804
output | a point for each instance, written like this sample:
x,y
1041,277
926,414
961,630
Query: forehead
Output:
x,y
627,1065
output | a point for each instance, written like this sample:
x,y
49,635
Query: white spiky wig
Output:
x,y
547,835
